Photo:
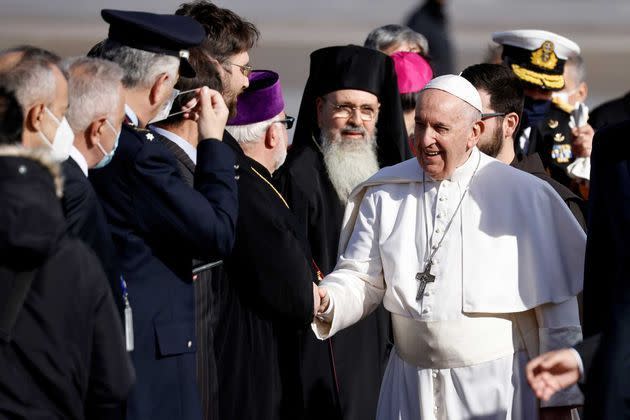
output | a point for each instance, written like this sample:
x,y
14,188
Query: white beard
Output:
x,y
348,162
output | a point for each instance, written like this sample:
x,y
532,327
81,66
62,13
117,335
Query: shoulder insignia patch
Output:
x,y
545,56
552,123
558,137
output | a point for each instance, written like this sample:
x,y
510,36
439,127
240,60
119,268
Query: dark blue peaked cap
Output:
x,y
163,34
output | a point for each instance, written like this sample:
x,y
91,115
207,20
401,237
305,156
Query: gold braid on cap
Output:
x,y
548,81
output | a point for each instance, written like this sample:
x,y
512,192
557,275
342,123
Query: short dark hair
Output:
x,y
10,118
226,32
409,100
503,86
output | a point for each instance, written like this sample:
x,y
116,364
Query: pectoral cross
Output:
x,y
424,278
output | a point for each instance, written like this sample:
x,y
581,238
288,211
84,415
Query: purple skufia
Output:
x,y
261,101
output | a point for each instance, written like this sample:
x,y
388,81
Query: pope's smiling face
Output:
x,y
446,130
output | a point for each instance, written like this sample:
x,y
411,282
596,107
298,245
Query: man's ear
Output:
x,y
510,124
582,92
34,118
475,133
161,89
94,131
272,136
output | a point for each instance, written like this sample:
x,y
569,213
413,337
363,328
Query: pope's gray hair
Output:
x,y
251,133
93,90
140,67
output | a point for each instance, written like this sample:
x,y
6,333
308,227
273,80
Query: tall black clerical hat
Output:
x,y
354,67
163,34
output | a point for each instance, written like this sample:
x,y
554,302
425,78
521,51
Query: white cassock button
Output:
x,y
189,344
434,246
426,311
439,215
427,293
435,408
442,198
435,374
437,230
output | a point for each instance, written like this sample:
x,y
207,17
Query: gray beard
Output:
x,y
348,162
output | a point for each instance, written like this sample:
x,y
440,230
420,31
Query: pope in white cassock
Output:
x,y
479,264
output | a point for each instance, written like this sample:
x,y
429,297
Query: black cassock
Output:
x,y
354,359
262,302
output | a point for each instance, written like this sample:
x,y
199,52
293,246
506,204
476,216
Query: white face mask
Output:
x,y
564,96
166,109
64,137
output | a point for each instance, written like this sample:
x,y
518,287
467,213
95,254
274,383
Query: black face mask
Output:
x,y
534,111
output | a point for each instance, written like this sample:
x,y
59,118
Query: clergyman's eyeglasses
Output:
x,y
288,121
366,112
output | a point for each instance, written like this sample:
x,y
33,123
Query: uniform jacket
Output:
x,y
205,306
607,282
86,220
65,356
159,224
551,139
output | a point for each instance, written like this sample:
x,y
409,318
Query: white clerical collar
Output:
x,y
464,172
133,118
183,144
79,159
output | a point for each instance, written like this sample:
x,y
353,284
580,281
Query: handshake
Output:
x,y
321,301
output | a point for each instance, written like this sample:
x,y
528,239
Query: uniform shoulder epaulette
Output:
x,y
562,106
144,133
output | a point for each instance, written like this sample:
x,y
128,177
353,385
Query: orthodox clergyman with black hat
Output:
x,y
450,244
350,124
538,58
267,293
158,221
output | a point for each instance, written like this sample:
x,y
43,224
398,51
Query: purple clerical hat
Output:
x,y
261,101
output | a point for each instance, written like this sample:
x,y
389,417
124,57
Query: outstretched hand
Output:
x,y
322,301
551,372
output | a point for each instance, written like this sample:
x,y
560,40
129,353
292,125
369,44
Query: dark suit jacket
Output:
x,y
85,220
159,224
607,278
205,314
611,112
64,356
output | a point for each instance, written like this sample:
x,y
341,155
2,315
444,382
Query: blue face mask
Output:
x,y
107,157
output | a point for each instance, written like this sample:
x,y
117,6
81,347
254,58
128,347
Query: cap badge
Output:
x,y
545,57
552,123
558,137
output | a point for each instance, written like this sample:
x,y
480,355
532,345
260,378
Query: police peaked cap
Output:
x,y
537,57
162,34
